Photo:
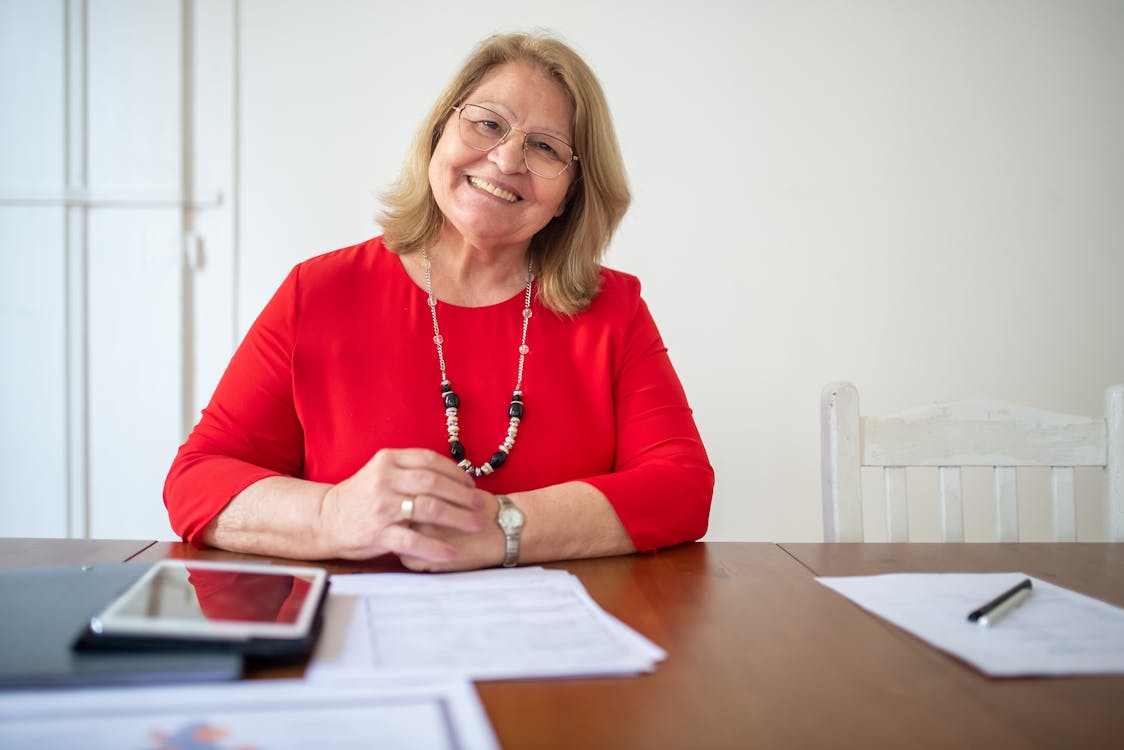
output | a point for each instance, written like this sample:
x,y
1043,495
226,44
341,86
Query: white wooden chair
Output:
x,y
964,433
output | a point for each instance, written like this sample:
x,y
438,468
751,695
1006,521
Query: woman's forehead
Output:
x,y
527,92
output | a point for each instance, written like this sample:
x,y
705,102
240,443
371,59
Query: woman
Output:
x,y
472,388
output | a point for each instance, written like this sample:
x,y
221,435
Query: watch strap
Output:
x,y
511,536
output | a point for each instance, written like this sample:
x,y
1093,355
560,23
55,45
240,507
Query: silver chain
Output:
x,y
438,340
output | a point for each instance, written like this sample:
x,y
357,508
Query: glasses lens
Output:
x,y
546,155
481,128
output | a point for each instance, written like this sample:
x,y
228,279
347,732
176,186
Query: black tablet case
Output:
x,y
42,611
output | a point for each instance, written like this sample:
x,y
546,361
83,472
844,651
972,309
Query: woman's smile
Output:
x,y
496,190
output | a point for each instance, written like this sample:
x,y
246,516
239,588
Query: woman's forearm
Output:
x,y
569,521
277,516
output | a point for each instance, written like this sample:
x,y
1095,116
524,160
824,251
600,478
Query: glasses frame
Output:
x,y
511,128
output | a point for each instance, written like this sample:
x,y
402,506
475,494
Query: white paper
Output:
x,y
1055,631
250,715
501,624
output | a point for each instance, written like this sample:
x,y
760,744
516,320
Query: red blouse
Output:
x,y
341,363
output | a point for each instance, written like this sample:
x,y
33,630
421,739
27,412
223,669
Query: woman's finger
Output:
x,y
423,458
438,512
416,482
407,542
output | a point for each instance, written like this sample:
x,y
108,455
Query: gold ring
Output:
x,y
406,512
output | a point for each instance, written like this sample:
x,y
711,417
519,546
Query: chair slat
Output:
x,y
952,507
941,440
1065,511
1114,468
1006,504
897,505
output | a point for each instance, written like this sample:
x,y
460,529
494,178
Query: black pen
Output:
x,y
993,611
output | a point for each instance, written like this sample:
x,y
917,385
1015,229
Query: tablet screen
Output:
x,y
216,600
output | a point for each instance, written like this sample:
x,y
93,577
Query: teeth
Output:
x,y
496,191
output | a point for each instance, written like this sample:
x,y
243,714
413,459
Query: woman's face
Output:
x,y
489,197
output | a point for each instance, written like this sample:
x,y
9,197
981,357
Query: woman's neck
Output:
x,y
469,276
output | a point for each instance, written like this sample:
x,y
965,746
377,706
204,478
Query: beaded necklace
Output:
x,y
452,401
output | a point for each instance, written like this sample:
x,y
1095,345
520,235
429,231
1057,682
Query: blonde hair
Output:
x,y
567,252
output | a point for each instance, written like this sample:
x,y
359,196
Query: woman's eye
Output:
x,y
545,149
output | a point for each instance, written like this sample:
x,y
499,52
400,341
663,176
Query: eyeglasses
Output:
x,y
483,130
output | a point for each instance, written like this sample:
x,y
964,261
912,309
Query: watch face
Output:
x,y
511,517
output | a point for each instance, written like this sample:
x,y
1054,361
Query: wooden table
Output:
x,y
761,655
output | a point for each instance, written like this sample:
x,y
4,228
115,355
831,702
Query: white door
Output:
x,y
98,299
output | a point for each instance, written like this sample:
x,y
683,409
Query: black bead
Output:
x,y
515,410
497,459
451,400
446,386
456,448
517,396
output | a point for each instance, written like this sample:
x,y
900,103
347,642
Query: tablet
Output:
x,y
252,608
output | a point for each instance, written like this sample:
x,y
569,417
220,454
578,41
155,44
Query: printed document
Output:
x,y
1055,631
250,714
497,624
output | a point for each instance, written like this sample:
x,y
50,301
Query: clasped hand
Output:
x,y
452,525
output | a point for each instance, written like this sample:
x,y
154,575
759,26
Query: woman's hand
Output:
x,y
483,548
361,517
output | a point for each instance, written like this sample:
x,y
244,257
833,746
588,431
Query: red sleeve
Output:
x,y
662,482
249,430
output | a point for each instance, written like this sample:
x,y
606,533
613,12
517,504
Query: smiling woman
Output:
x,y
337,430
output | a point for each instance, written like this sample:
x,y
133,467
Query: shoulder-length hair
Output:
x,y
567,252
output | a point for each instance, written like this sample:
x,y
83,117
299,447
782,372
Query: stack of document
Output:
x,y
497,624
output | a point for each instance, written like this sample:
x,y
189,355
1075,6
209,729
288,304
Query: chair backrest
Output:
x,y
964,433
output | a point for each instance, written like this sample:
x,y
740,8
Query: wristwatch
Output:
x,y
510,519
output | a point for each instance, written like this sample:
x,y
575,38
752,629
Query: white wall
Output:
x,y
919,196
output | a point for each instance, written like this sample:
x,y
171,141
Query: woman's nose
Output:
x,y
508,156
